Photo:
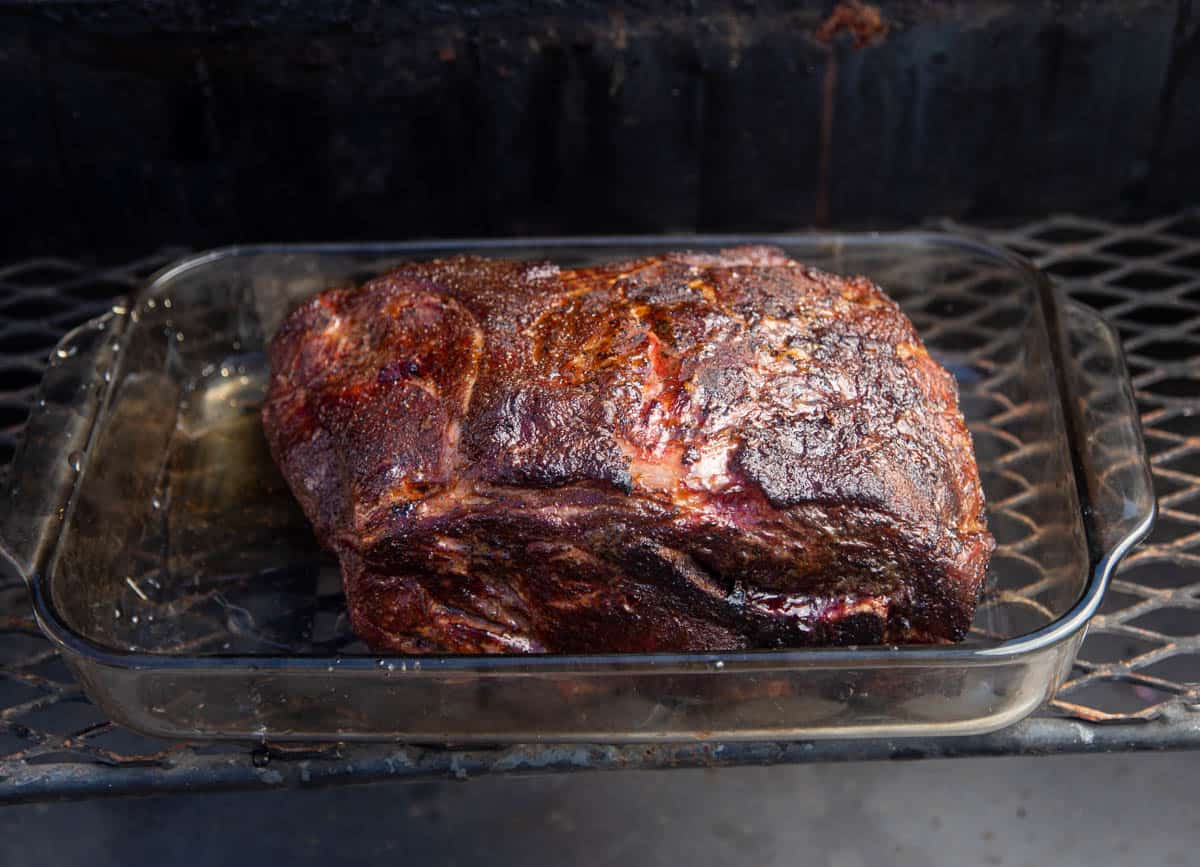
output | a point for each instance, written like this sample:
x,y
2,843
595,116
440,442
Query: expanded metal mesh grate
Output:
x,y
1141,659
1142,652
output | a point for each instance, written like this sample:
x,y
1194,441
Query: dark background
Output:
x,y
128,125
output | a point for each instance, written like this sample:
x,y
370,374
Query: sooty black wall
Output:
x,y
125,126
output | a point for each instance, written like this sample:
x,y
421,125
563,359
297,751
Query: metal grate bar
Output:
x,y
1136,684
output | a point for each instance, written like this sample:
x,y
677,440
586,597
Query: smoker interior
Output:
x,y
137,131
136,125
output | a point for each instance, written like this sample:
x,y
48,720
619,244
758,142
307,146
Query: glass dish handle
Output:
x,y
55,439
1116,486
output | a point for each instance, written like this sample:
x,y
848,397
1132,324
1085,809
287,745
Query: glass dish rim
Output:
x,y
1050,635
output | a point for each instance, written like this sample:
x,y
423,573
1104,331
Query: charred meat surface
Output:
x,y
687,452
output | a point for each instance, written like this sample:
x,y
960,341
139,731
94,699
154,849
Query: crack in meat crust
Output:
x,y
686,452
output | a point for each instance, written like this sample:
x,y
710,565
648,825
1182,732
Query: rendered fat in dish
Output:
x,y
694,451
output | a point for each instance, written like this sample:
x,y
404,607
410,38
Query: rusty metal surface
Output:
x,y
1136,685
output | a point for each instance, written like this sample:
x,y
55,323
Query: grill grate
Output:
x,y
1140,661
1142,652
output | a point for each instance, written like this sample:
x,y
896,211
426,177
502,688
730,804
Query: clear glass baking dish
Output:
x,y
168,561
